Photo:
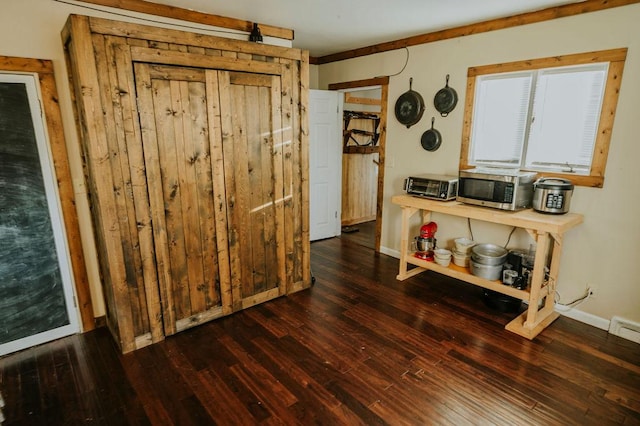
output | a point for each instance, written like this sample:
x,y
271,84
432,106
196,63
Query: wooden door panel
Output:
x,y
359,187
253,163
178,152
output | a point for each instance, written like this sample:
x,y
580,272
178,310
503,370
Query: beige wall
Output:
x,y
31,29
601,253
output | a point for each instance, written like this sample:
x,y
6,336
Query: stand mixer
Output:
x,y
426,242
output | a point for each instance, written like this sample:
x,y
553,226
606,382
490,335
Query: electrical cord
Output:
x,y
406,61
509,238
573,303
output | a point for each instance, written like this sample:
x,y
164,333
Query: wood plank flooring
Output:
x,y
359,347
364,236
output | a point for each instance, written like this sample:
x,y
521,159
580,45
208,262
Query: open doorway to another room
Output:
x,y
363,147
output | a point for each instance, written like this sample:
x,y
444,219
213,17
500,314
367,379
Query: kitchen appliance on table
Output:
x,y
518,269
426,242
552,195
505,189
434,186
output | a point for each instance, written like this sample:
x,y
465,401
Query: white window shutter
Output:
x,y
500,119
566,110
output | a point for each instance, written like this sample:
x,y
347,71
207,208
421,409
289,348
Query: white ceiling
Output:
x,y
330,26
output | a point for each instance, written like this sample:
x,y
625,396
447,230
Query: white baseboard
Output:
x,y
584,317
390,252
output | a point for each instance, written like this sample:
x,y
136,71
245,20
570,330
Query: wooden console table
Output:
x,y
546,230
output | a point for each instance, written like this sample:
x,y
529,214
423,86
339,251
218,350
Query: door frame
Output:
x,y
383,82
42,69
49,165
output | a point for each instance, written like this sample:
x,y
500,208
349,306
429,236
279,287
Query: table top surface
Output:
x,y
527,218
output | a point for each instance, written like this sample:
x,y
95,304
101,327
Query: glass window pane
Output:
x,y
566,111
500,118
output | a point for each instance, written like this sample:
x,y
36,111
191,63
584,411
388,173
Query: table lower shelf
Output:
x,y
464,274
520,325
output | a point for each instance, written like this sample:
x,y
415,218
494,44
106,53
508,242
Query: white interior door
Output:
x,y
325,163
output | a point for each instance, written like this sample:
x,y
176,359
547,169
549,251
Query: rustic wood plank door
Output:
x,y
185,178
213,146
253,146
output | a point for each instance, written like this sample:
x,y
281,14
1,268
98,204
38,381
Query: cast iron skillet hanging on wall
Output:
x,y
431,139
445,100
409,107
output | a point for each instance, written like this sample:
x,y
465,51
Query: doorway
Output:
x,y
37,303
363,155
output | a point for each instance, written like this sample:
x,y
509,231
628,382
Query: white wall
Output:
x,y
31,29
601,253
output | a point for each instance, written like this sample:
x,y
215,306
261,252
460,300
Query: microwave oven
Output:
x,y
505,189
437,187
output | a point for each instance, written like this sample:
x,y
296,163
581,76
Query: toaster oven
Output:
x,y
437,187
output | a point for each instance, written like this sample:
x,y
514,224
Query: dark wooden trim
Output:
x,y
101,321
378,81
53,121
382,159
477,28
173,12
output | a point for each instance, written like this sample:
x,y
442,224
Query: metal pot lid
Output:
x,y
445,99
553,183
409,107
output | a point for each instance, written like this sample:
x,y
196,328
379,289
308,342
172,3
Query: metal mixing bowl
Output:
x,y
489,254
488,272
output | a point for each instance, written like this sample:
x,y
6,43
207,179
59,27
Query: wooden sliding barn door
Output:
x,y
185,177
253,147
213,151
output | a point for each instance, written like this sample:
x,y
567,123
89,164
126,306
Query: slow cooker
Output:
x,y
552,195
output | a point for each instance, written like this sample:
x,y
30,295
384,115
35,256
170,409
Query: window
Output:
x,y
551,115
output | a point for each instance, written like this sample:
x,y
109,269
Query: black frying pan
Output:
x,y
409,107
431,139
445,100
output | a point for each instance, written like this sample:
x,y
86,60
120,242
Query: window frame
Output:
x,y
616,59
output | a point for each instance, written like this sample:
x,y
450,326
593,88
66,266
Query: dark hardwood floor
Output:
x,y
364,236
359,347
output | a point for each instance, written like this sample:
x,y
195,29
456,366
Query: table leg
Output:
x,y
554,269
407,212
533,321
